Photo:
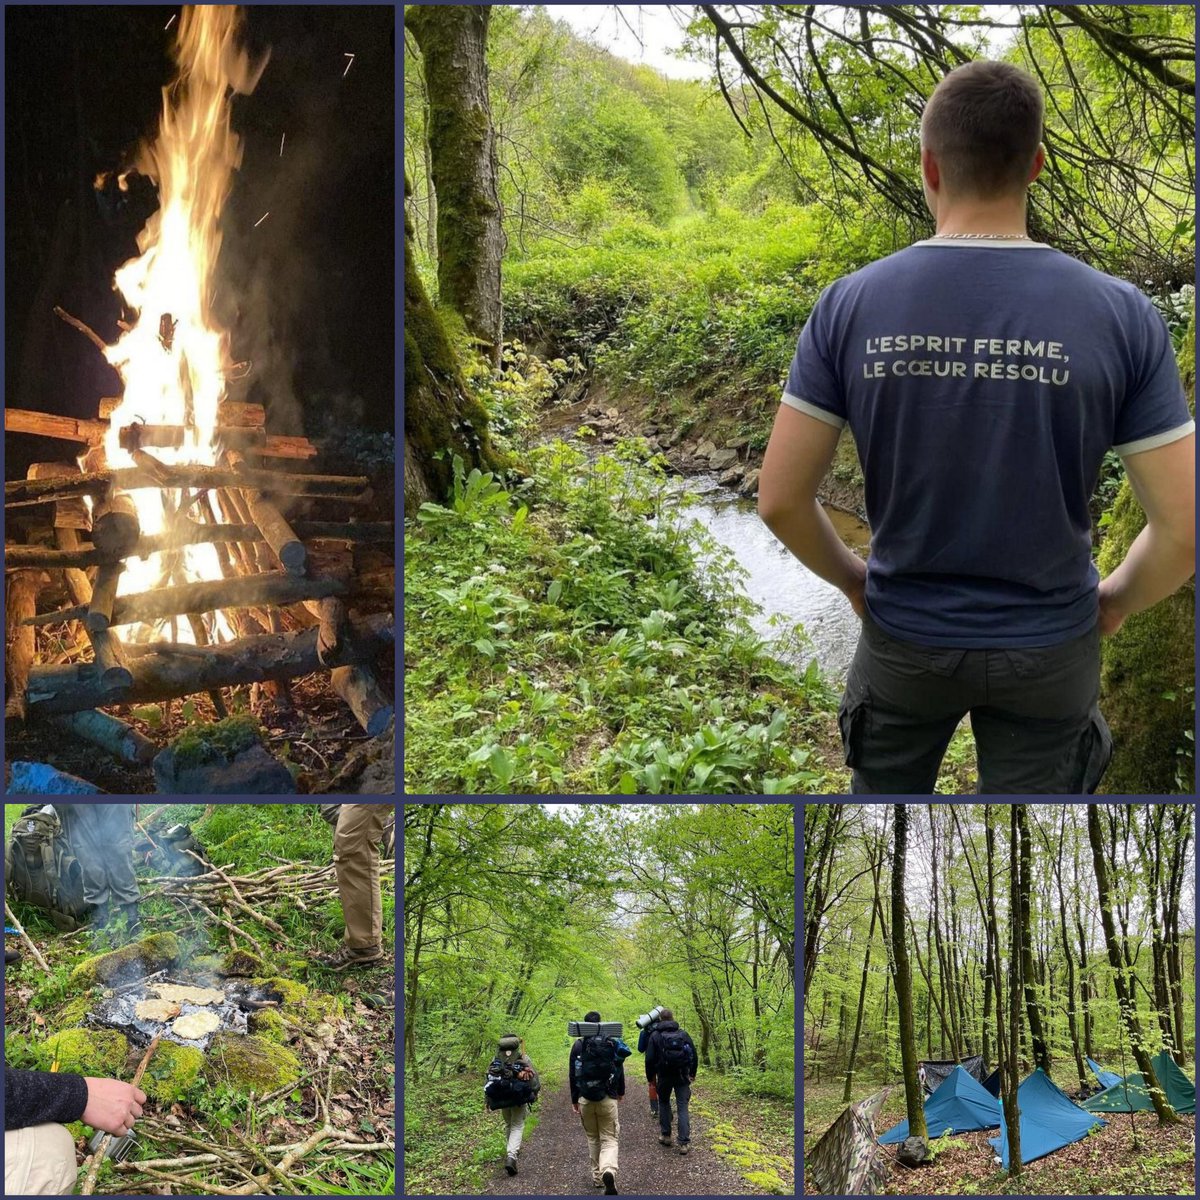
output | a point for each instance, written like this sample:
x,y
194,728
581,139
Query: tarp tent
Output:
x,y
1049,1120
992,1082
1107,1078
1131,1095
937,1070
958,1106
846,1161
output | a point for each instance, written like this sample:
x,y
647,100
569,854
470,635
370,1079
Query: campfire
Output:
x,y
215,558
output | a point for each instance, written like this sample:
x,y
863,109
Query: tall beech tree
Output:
x,y
1024,868
1011,1073
1122,980
913,1100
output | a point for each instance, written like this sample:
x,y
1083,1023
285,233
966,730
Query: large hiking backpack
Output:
x,y
596,1067
504,1087
674,1056
41,868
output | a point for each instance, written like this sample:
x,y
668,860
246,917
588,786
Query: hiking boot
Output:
x,y
345,958
684,1147
510,1164
133,918
610,1183
664,1139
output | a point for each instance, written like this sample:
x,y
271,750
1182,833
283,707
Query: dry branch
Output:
x,y
242,591
23,588
96,483
165,674
110,734
86,330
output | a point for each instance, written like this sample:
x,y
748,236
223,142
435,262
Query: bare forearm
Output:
x,y
1154,567
808,533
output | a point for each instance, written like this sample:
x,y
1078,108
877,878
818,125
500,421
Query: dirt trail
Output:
x,y
554,1159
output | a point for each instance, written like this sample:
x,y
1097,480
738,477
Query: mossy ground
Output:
x,y
171,1071
99,1052
221,740
250,1063
139,958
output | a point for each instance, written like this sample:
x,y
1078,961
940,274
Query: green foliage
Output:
x,y
572,633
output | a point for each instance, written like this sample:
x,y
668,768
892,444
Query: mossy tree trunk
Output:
x,y
1122,976
913,1100
441,417
1148,668
462,148
1011,1074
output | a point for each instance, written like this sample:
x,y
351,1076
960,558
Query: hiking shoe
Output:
x,y
684,1147
664,1140
510,1164
610,1183
345,957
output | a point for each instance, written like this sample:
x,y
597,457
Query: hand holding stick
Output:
x,y
89,1183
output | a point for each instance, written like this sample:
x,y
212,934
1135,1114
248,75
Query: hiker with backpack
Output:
x,y
597,1074
647,1023
671,1064
512,1086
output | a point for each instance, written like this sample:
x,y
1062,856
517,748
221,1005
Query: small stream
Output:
x,y
778,583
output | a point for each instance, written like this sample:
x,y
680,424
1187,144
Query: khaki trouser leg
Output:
x,y
39,1160
356,854
102,838
603,1129
514,1121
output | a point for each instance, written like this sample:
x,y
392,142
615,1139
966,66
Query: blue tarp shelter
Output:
x,y
959,1105
1130,1094
1107,1078
1049,1120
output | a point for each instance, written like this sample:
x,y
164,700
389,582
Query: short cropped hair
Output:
x,y
666,1015
592,1016
983,124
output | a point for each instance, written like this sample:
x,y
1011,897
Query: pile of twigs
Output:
x,y
245,1169
298,884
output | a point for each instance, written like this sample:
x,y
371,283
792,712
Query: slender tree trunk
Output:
x,y
877,862
908,1050
945,979
1125,999
1041,1051
826,822
1068,954
1012,1074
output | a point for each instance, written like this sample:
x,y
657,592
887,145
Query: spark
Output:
x,y
349,64
281,141
170,22
262,218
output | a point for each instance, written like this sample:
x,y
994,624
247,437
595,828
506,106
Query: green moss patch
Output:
x,y
241,962
268,1024
200,744
73,1012
130,962
99,1052
171,1071
251,1063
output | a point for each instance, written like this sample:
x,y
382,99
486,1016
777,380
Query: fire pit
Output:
x,y
239,999
216,558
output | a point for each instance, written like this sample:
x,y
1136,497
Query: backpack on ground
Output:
x,y
41,869
674,1054
596,1067
505,1087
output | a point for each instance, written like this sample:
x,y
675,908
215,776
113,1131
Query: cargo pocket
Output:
x,y
1095,752
853,713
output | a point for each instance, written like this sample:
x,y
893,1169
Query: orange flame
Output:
x,y
173,357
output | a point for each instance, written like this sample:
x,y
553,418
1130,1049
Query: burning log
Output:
x,y
109,734
23,588
367,700
278,534
243,432
167,673
115,527
95,483
229,412
99,614
242,591
187,533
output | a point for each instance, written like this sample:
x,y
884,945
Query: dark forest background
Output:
x,y
308,295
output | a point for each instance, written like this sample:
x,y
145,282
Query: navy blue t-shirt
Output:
x,y
983,383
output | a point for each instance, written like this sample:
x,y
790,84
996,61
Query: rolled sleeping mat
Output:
x,y
509,1043
594,1028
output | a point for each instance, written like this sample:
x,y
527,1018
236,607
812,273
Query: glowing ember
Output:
x,y
173,357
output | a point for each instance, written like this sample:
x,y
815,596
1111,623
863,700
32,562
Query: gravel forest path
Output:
x,y
554,1159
